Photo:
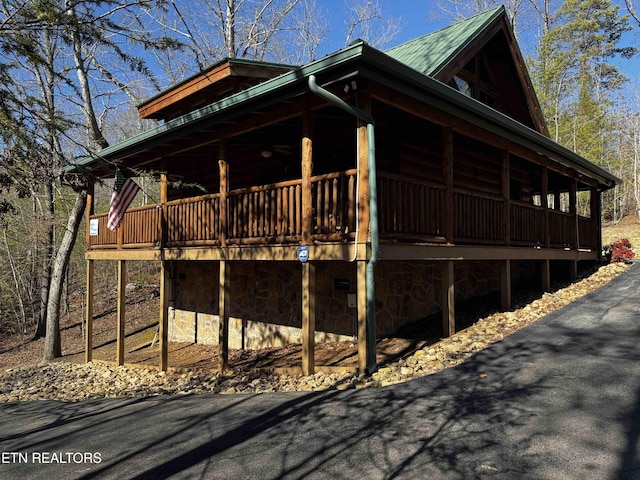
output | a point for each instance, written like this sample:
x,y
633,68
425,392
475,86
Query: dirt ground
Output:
x,y
141,328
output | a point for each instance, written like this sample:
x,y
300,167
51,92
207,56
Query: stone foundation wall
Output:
x,y
266,299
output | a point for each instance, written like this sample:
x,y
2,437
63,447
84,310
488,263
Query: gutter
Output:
x,y
373,215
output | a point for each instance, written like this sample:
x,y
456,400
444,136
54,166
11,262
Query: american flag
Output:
x,y
124,190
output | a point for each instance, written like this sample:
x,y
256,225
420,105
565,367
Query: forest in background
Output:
x,y
72,71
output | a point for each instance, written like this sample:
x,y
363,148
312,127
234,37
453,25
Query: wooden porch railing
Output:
x,y
588,230
193,221
527,224
478,217
409,210
562,229
269,213
334,205
263,214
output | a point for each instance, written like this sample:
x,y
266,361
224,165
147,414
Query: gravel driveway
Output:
x,y
557,400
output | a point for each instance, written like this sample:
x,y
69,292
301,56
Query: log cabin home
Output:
x,y
347,197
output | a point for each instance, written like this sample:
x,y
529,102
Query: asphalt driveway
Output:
x,y
557,400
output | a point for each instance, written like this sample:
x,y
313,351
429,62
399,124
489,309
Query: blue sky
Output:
x,y
416,18
419,17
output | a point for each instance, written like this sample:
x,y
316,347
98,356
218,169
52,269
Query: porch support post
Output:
x,y
89,211
307,169
447,172
573,270
595,218
573,210
164,316
224,189
223,312
505,285
308,317
122,283
368,218
362,315
162,234
506,196
544,202
545,275
448,299
88,349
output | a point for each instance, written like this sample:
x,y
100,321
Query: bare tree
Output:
x,y
366,20
632,11
44,42
524,15
312,28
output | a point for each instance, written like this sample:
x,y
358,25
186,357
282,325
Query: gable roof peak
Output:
x,y
430,53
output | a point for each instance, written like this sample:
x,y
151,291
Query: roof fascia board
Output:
x,y
225,63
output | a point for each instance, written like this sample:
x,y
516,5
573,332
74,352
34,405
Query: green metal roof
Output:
x,y
432,52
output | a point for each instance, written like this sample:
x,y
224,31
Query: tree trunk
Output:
x,y
53,347
45,275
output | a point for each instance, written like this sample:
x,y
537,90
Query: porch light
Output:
x,y
266,153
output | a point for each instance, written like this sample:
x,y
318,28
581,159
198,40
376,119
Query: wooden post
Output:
x,y
447,172
89,211
544,201
364,101
308,317
88,349
307,169
362,315
223,312
448,299
164,316
366,322
120,234
122,284
162,234
595,217
505,284
573,210
506,197
573,270
545,274
224,189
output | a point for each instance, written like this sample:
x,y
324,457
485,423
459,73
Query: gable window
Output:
x,y
463,86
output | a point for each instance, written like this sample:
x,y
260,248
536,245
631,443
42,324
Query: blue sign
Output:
x,y
303,253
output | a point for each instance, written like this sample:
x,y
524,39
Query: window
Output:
x,y
463,86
